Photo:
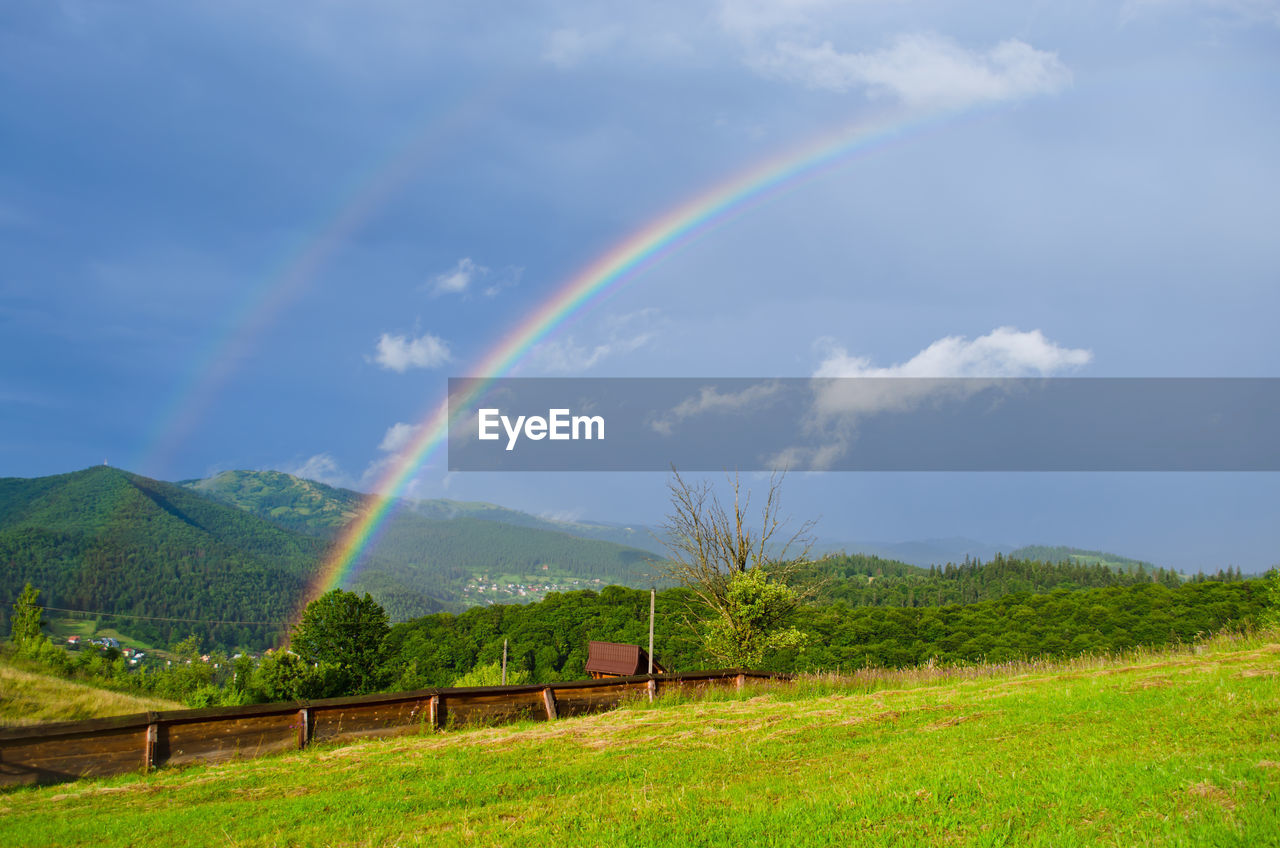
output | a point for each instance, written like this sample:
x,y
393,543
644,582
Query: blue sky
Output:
x,y
244,235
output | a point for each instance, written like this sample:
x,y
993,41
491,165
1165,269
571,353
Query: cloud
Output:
x,y
322,468
1004,352
622,334
920,69
457,279
710,400
752,19
399,353
398,436
466,276
564,516
838,405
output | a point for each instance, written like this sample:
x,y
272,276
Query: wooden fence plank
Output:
x,y
549,701
149,747
68,750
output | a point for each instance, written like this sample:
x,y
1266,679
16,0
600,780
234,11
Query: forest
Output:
x,y
548,639
860,580
160,559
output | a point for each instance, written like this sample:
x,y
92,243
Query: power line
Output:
x,y
161,618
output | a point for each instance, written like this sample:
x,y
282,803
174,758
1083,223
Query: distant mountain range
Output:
x,y
957,549
233,555
240,549
457,551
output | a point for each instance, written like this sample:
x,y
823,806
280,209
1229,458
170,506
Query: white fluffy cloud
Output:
x,y
458,278
466,276
398,435
921,69
619,334
399,353
1004,352
838,406
710,400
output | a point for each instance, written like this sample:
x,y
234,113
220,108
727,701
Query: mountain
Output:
x,y
458,551
957,549
318,509
166,559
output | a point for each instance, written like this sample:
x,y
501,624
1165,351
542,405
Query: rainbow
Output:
x,y
623,262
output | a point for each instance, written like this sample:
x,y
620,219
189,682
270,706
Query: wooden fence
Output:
x,y
52,753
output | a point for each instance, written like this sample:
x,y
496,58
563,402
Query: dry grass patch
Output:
x,y
28,698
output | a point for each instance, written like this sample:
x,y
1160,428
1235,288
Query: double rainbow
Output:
x,y
619,265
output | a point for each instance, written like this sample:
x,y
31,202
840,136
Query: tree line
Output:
x,y
860,580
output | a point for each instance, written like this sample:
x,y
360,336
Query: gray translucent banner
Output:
x,y
865,424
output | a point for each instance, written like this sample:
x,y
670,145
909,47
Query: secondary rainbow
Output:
x,y
359,200
623,262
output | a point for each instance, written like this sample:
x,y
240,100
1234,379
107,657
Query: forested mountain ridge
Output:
x,y
242,549
449,548
1065,553
109,541
294,502
320,509
861,580
112,542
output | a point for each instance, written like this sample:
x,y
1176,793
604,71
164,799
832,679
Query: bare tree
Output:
x,y
740,573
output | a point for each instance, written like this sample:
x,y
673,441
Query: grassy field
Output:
x,y
1178,747
29,698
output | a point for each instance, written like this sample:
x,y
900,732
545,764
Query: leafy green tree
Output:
x,y
348,632
281,676
490,674
751,624
737,572
1271,615
28,618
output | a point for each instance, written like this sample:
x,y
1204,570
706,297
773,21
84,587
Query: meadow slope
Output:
x,y
28,697
1174,747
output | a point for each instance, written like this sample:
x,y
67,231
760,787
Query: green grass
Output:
x,y
1177,747
28,697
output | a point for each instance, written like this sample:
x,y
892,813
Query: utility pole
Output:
x,y
504,662
653,599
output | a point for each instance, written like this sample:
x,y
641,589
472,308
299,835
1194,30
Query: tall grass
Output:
x,y
29,697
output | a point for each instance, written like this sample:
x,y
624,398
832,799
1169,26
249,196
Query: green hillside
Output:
x,y
1091,751
113,542
303,505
